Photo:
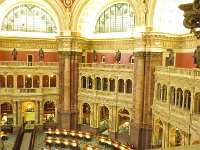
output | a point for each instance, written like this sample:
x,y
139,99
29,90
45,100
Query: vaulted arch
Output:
x,y
86,14
55,9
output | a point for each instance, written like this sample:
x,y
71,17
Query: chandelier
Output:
x,y
192,17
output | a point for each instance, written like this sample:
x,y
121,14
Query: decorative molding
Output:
x,y
28,43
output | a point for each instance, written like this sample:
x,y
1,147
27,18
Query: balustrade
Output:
x,y
181,72
24,63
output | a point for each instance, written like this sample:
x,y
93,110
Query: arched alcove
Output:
x,y
49,111
86,114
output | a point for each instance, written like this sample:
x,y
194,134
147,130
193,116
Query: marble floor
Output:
x,y
9,143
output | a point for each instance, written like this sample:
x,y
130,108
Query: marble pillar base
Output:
x,y
39,128
67,120
16,129
87,128
123,137
140,137
113,135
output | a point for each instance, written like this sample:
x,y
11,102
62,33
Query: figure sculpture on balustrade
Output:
x,y
197,56
171,57
94,56
118,56
14,54
41,54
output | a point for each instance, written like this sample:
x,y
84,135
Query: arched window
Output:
x,y
83,82
129,86
164,93
105,84
36,81
49,111
10,81
116,18
158,91
197,103
187,99
86,113
103,59
121,86
112,85
104,119
98,83
6,114
172,95
45,81
124,121
2,81
132,59
20,81
179,97
28,81
158,133
52,80
29,18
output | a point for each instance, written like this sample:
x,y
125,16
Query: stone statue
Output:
x,y
68,20
14,54
41,54
142,7
94,56
197,56
171,57
118,56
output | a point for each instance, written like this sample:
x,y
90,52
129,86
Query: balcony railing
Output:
x,y
24,63
107,66
107,95
17,91
171,71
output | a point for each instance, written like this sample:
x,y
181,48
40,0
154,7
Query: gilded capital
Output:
x,y
64,43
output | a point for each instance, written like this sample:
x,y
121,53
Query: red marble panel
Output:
x,y
110,58
185,60
22,56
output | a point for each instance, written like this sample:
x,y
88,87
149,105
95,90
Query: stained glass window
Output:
x,y
29,18
116,18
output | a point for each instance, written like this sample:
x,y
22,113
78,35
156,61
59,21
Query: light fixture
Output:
x,y
29,106
29,75
192,17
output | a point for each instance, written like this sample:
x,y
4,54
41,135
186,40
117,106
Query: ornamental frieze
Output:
x,y
29,44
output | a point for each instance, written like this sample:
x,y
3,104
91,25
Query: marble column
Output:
x,y
192,109
69,59
14,113
113,122
41,112
36,112
141,124
64,95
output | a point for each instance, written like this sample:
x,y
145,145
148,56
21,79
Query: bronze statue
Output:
x,y
94,56
197,56
118,56
41,54
171,57
14,54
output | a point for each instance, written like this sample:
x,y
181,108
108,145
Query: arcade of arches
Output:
x,y
78,84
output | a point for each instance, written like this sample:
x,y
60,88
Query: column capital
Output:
x,y
147,56
64,43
